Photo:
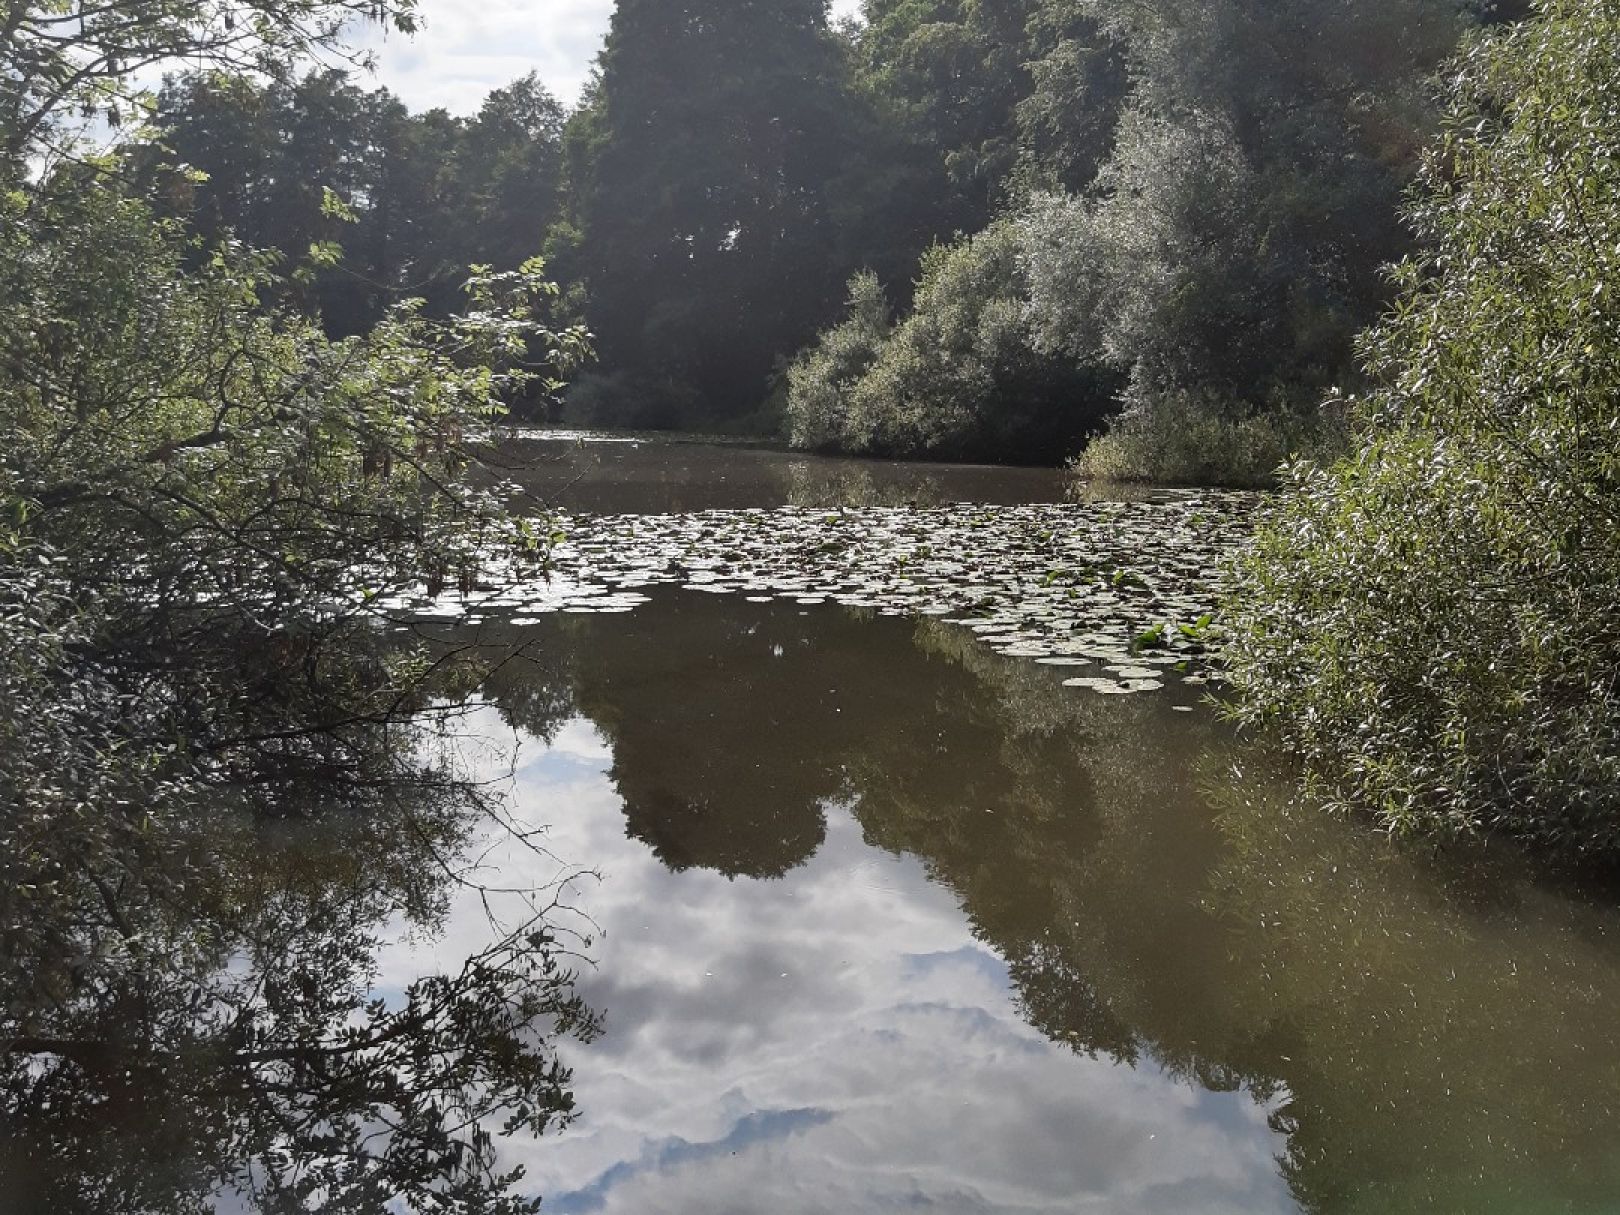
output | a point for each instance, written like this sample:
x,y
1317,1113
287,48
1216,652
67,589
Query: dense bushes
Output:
x,y
957,377
1232,245
1433,620
822,382
206,502
1199,200
1193,198
1172,274
1185,438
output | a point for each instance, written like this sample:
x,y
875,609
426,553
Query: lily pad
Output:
x,y
1124,570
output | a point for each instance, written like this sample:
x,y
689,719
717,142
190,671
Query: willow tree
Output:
x,y
1235,240
1432,621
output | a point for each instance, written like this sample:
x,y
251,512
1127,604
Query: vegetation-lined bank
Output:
x,y
1192,240
1432,619
202,496
242,358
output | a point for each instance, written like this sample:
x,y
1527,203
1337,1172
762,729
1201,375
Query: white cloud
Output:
x,y
467,48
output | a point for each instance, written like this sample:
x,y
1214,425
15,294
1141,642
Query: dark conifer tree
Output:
x,y
703,199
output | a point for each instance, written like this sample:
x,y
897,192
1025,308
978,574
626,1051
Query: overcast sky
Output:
x,y
468,47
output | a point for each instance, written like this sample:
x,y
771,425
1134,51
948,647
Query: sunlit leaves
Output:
x,y
958,376
66,59
202,502
1433,620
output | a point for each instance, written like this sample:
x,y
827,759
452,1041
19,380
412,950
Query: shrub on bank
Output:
x,y
1433,621
821,382
1182,440
957,378
1189,270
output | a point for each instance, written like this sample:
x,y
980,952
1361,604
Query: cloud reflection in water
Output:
x,y
837,1039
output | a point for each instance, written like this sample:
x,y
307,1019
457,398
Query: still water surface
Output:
x,y
881,918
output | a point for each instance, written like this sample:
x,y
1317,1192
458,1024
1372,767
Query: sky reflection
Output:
x,y
835,1039
877,917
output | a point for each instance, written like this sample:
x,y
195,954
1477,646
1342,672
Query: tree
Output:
x,y
958,377
204,502
1066,118
826,374
950,75
188,1008
1202,195
700,194
422,197
1430,621
79,59
963,109
994,97
509,173
1234,242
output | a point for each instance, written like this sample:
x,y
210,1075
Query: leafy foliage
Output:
x,y
1234,242
393,205
1193,438
191,1006
821,380
1432,619
76,59
697,197
246,456
1202,196
1205,192
958,377
991,98
203,499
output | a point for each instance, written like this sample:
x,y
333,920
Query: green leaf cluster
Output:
x,y
205,503
1432,620
957,377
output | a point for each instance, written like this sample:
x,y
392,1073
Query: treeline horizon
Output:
x,y
967,229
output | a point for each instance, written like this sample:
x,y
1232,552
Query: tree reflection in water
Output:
x,y
191,1013
195,1017
1428,1030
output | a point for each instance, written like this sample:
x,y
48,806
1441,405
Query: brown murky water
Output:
x,y
880,913
885,919
655,474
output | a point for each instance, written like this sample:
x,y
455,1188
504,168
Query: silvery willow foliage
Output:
x,y
1196,203
1432,621
1135,277
1232,245
957,377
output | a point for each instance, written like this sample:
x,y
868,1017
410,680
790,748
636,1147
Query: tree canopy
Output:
x,y
705,171
1201,195
1195,201
421,197
79,60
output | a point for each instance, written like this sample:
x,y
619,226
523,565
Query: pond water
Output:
x,y
905,864
627,473
881,917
